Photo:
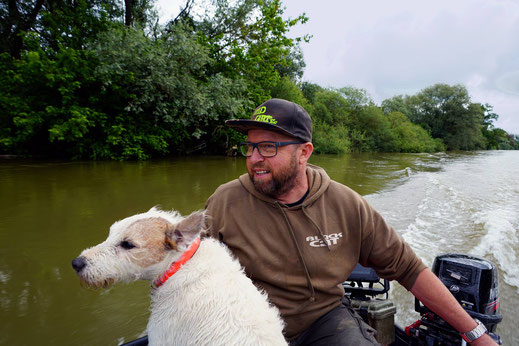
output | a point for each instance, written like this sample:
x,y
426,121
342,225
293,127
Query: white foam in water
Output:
x,y
470,206
500,241
4,277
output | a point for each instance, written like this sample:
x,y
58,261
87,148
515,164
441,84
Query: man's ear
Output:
x,y
186,231
306,151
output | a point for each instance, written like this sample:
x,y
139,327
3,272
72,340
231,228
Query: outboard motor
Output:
x,y
474,283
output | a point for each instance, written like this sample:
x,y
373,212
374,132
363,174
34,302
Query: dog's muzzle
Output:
x,y
78,264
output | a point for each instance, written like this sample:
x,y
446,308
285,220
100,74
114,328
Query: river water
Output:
x,y
50,211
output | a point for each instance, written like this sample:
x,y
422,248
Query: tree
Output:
x,y
310,91
45,103
248,40
16,18
330,116
376,127
447,113
56,23
332,108
93,81
397,103
357,98
412,138
292,65
138,12
168,103
287,89
328,139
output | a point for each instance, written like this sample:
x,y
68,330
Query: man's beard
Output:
x,y
282,181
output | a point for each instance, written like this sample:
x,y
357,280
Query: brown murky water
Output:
x,y
50,211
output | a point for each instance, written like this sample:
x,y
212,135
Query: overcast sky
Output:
x,y
403,46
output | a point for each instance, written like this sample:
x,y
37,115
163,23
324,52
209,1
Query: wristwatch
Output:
x,y
474,333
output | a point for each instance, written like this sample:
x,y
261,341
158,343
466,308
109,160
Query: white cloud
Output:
x,y
401,47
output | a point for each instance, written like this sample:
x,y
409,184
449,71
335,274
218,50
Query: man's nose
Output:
x,y
256,156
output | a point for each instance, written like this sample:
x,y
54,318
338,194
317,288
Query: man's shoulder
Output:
x,y
338,188
228,186
231,189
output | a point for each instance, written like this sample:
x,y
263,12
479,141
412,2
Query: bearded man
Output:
x,y
299,235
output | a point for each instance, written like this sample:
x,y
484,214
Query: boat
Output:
x,y
472,280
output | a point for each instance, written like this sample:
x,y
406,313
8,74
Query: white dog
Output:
x,y
200,294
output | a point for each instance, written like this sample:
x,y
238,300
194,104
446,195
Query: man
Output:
x,y
299,234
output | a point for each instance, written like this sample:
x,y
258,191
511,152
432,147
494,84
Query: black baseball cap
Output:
x,y
277,115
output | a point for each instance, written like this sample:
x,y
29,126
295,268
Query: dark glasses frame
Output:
x,y
243,147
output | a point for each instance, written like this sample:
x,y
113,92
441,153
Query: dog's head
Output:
x,y
139,247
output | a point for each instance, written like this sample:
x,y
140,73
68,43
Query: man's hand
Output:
x,y
433,294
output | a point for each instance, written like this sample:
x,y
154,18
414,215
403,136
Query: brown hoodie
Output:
x,y
300,255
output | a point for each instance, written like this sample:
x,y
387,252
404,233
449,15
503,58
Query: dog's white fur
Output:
x,y
209,301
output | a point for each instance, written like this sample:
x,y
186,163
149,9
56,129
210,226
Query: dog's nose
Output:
x,y
78,264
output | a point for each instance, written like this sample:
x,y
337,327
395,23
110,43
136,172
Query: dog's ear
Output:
x,y
186,231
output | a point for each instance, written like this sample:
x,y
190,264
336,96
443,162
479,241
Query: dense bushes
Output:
x,y
45,102
94,79
347,120
128,89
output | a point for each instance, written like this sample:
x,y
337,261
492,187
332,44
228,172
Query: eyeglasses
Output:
x,y
265,148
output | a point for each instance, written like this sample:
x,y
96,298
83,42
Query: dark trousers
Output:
x,y
340,326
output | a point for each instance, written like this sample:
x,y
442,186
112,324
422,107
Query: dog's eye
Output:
x,y
125,244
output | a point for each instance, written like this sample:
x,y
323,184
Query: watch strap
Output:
x,y
475,333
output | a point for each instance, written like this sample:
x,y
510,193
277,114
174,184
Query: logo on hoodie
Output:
x,y
331,239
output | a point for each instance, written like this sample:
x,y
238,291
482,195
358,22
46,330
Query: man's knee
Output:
x,y
355,331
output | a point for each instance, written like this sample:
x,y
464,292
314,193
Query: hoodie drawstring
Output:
x,y
301,259
318,228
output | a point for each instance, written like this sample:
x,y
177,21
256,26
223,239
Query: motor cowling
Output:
x,y
474,283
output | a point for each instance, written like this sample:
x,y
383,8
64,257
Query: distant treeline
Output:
x,y
102,79
438,118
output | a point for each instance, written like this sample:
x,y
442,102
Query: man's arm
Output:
x,y
433,294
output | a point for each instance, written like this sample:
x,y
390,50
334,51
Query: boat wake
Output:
x,y
470,205
500,241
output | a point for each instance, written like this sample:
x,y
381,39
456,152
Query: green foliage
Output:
x,y
347,120
102,80
44,104
499,139
331,108
372,122
310,90
397,103
86,86
357,98
168,103
292,66
57,23
465,130
288,90
248,41
126,97
328,139
447,113
412,138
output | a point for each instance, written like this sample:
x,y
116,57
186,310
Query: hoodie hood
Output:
x,y
318,182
